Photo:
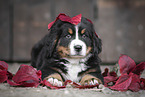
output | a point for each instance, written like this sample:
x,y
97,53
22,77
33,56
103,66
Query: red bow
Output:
x,y
74,20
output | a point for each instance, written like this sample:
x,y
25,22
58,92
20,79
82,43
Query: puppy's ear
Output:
x,y
35,52
51,40
97,44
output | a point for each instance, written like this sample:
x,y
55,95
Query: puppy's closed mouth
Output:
x,y
77,56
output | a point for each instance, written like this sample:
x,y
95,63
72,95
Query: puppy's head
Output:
x,y
74,41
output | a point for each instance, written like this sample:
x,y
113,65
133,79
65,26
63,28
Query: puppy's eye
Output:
x,y
68,36
84,36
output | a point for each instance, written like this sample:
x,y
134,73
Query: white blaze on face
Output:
x,y
77,42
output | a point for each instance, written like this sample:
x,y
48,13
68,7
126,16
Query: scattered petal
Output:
x,y
134,86
126,64
122,83
113,74
127,82
139,68
109,79
3,76
3,71
105,73
26,76
3,66
130,76
142,83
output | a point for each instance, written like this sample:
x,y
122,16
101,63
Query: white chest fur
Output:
x,y
73,68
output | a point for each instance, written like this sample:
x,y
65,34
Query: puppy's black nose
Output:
x,y
78,48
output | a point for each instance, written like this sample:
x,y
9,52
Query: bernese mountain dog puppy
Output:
x,y
69,52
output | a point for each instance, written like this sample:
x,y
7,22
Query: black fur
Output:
x,y
44,55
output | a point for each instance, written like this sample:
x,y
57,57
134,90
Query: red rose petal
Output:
x,y
139,68
25,73
109,79
105,73
26,76
3,65
142,83
12,83
3,76
127,82
9,75
126,64
24,84
3,71
122,78
113,74
134,86
122,83
31,83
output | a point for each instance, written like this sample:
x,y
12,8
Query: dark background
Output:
x,y
119,23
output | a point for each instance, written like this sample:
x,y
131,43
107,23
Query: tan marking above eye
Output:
x,y
70,31
83,31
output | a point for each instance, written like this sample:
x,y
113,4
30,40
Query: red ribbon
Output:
x,y
74,20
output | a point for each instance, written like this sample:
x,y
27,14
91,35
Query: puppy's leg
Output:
x,y
92,77
52,75
55,79
90,80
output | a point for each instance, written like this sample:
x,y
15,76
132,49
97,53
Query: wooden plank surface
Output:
x,y
74,7
4,30
30,25
121,25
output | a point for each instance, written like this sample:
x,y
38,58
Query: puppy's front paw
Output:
x,y
55,82
90,80
55,79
